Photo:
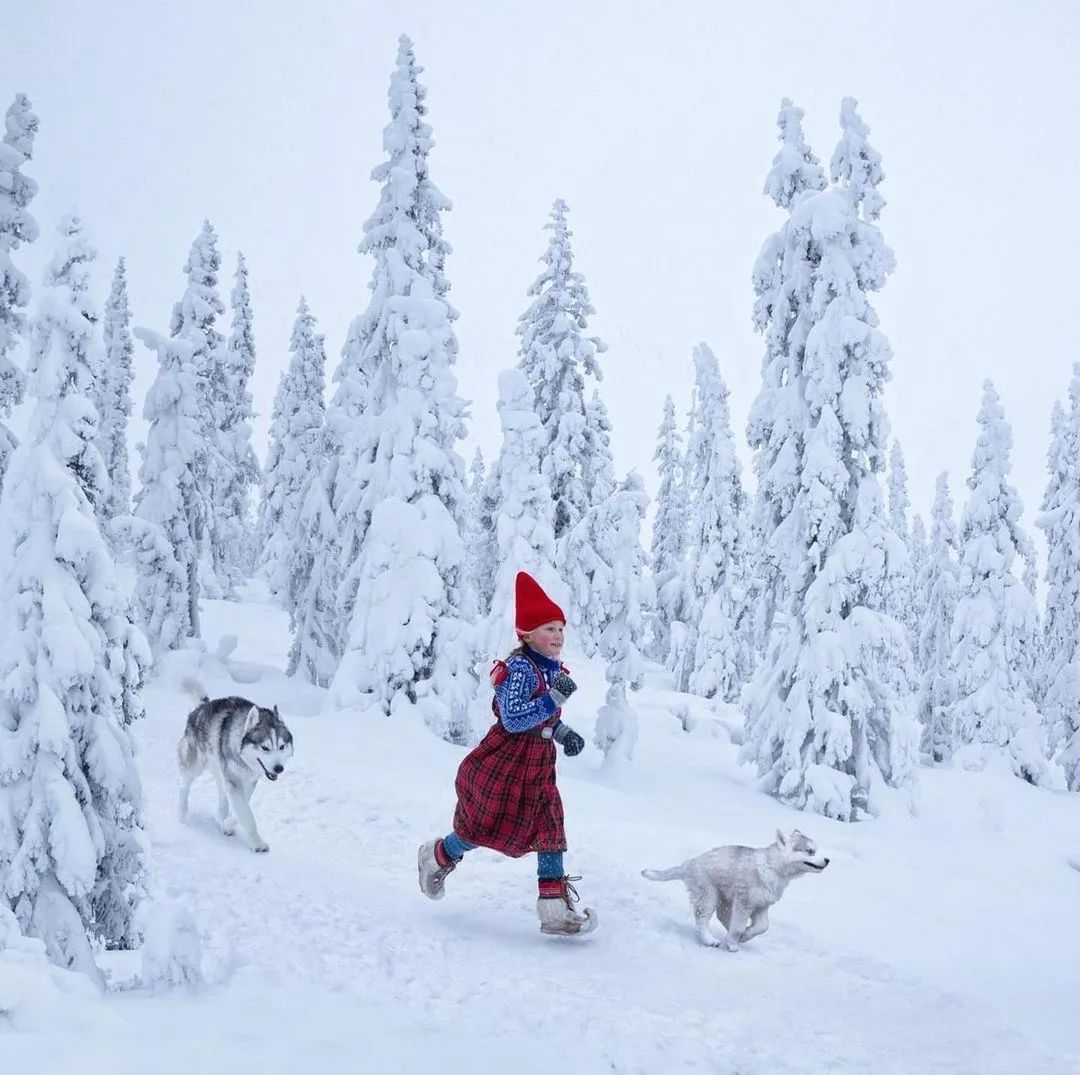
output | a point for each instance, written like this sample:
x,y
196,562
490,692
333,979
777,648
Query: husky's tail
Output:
x,y
193,687
674,874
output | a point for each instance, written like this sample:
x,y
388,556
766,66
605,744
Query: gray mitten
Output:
x,y
571,742
561,688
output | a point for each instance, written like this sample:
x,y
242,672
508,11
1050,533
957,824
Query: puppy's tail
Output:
x,y
674,874
193,687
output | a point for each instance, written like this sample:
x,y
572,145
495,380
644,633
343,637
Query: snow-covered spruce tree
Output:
x,y
407,219
17,226
524,519
169,495
194,320
598,464
1059,666
161,601
480,537
581,563
936,586
67,322
994,626
669,532
408,646
899,593
917,551
240,469
316,645
719,650
826,719
555,356
776,427
627,596
115,395
294,458
72,853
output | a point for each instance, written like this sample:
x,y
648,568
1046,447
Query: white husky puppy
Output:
x,y
740,884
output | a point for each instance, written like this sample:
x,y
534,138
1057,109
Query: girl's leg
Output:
x,y
452,847
549,866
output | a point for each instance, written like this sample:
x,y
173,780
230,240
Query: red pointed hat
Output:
x,y
533,606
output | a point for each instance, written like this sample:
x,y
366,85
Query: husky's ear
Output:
x,y
276,713
252,719
781,839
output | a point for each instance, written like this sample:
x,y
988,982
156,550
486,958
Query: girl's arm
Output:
x,y
518,709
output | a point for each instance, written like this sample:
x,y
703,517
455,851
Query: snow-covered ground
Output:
x,y
940,939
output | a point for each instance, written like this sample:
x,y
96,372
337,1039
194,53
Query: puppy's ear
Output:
x,y
781,839
252,719
276,713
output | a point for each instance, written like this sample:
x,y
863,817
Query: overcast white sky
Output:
x,y
655,121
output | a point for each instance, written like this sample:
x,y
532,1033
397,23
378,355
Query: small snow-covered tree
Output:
x,y
17,226
408,647
316,645
480,537
72,854
294,458
994,627
598,465
161,587
899,594
555,356
627,596
240,469
669,531
937,587
194,321
826,720
1059,667
718,654
115,395
169,495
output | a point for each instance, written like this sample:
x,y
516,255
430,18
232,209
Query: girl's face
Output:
x,y
547,638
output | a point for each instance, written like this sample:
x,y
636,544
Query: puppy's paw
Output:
x,y
710,941
731,944
228,826
260,846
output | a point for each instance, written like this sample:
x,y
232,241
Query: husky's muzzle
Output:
x,y
269,775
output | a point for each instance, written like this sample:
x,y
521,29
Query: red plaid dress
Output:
x,y
507,798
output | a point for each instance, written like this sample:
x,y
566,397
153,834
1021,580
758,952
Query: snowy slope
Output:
x,y
941,942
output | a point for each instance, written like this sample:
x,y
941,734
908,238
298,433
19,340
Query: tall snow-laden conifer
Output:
x,y
294,457
669,532
17,226
72,853
827,720
169,496
408,219
240,469
937,590
115,395
994,626
555,356
718,655
1059,668
194,320
408,647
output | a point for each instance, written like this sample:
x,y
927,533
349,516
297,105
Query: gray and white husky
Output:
x,y
740,884
240,743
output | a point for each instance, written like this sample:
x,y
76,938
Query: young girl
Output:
x,y
507,798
